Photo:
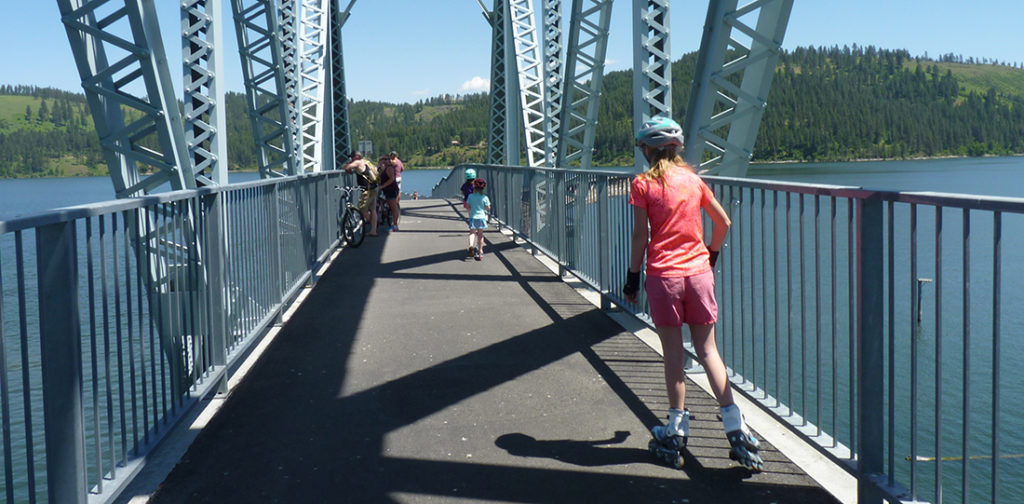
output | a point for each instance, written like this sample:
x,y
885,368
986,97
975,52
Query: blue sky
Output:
x,y
407,50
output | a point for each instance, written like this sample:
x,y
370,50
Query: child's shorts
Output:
x,y
676,301
477,223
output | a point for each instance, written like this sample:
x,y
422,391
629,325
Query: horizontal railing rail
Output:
x,y
872,323
117,317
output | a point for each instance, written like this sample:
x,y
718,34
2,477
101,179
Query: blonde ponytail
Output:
x,y
661,161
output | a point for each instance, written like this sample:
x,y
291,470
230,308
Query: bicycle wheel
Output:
x,y
353,227
383,213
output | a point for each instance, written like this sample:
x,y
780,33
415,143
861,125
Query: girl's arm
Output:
x,y
721,224
638,247
639,238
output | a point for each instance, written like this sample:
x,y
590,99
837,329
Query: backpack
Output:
x,y
369,178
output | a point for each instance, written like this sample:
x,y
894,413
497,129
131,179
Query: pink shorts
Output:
x,y
676,301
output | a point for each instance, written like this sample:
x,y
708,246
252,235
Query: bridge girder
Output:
x,y
120,57
584,71
259,45
730,89
652,64
205,116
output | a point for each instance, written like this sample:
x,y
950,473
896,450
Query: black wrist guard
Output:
x,y
712,257
632,283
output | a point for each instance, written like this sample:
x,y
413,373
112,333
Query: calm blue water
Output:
x,y
27,196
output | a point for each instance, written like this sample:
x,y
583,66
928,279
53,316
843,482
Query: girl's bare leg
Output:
x,y
675,378
703,337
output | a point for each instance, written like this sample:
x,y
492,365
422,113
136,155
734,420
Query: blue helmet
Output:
x,y
660,132
470,174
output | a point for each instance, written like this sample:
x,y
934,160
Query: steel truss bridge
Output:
x,y
545,92
546,74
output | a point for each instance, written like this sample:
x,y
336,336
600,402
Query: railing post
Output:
x,y
533,216
60,337
558,209
216,283
603,262
275,248
870,348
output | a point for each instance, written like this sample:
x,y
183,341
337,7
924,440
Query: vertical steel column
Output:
x,y
60,343
289,23
136,116
216,281
722,117
533,181
530,78
259,46
497,130
312,52
603,257
870,333
652,65
554,68
339,117
205,115
584,70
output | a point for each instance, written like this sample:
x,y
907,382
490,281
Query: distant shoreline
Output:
x,y
760,163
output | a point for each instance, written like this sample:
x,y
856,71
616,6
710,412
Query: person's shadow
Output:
x,y
581,453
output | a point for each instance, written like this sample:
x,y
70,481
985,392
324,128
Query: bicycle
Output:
x,y
353,226
383,211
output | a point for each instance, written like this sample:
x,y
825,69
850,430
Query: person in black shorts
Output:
x,y
389,188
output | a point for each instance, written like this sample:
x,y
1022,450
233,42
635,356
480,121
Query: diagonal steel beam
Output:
x,y
730,88
342,135
531,77
129,93
312,76
498,151
652,64
585,57
554,76
205,115
259,46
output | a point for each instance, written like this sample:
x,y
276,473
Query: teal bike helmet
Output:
x,y
660,132
470,174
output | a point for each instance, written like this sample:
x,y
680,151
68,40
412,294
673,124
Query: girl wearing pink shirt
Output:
x,y
667,199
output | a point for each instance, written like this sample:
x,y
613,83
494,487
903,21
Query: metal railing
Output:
x,y
114,321
872,323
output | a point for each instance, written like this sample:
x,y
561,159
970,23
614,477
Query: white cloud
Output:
x,y
476,84
421,92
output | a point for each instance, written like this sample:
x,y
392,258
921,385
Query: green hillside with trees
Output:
x,y
826,104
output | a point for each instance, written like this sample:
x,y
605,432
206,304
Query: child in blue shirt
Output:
x,y
479,205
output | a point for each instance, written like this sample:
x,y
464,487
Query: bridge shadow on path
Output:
x,y
414,374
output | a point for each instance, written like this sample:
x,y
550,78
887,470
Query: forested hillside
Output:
x,y
826,104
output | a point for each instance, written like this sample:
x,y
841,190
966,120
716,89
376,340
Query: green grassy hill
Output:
x,y
980,78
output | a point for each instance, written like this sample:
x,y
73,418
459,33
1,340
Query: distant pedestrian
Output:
x,y
367,178
399,166
680,284
467,187
389,188
479,206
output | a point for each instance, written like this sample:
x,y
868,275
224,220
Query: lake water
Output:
x,y
1003,176
28,196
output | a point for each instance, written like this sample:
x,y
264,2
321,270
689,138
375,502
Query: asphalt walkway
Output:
x,y
414,374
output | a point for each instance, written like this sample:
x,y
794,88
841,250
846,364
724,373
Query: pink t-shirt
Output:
x,y
676,247
398,169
